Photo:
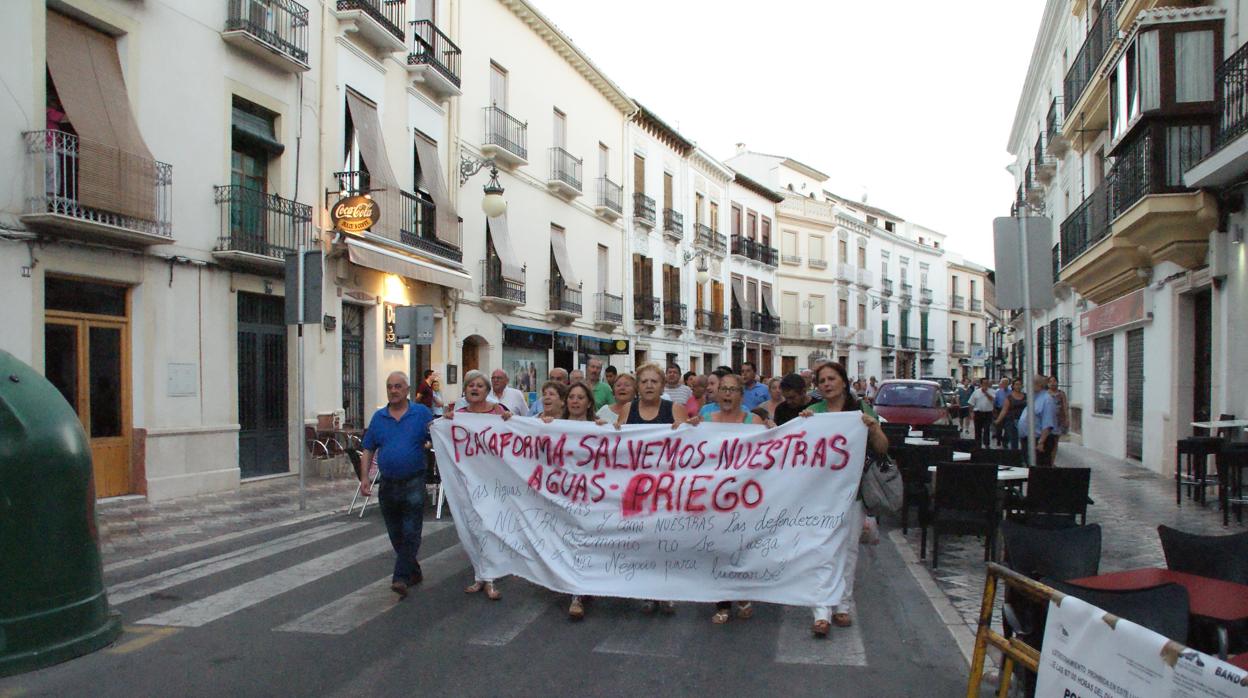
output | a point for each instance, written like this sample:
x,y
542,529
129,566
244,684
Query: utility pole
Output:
x,y
300,439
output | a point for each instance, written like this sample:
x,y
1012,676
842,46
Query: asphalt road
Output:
x,y
305,610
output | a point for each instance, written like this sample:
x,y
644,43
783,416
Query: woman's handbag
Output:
x,y
881,486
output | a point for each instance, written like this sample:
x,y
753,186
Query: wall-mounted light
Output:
x,y
493,203
704,272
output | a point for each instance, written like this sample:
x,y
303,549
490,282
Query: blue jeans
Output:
x,y
1009,433
403,508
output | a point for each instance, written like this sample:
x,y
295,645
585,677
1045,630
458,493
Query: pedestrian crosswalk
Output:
x,y
337,548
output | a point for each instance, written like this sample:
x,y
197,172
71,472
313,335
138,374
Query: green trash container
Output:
x,y
52,601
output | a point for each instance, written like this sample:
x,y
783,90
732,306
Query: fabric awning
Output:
x,y
255,130
559,244
116,171
738,294
384,184
447,226
381,259
768,307
499,235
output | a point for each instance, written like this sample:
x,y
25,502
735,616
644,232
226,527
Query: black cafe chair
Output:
x,y
1216,557
1056,497
1000,456
964,502
1067,553
1164,609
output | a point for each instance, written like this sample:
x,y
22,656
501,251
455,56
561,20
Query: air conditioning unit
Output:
x,y
822,331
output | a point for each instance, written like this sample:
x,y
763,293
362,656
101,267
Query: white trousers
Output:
x,y
857,516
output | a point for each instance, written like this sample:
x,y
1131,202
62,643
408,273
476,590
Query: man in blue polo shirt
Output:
x,y
396,435
755,393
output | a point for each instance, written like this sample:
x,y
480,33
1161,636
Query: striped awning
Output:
x,y
381,259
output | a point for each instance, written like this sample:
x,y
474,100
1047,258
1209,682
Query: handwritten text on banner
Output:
x,y
702,513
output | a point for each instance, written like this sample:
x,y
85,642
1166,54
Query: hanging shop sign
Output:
x,y
355,214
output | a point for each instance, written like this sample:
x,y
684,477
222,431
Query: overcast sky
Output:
x,y
908,101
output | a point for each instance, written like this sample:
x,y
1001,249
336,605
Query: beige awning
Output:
x,y
738,294
381,259
768,307
116,171
513,270
559,244
372,146
431,179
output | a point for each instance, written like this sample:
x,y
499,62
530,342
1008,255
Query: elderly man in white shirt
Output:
x,y
504,394
982,401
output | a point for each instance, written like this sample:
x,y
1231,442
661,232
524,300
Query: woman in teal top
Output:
x,y
833,384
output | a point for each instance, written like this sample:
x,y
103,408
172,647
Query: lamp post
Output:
x,y
492,203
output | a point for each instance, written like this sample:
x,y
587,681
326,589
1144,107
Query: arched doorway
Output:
x,y
474,348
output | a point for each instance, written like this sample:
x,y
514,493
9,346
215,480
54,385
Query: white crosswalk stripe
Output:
x,y
795,645
136,588
349,612
651,635
506,625
224,603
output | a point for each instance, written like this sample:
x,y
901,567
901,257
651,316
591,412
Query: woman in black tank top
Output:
x,y
663,417
649,407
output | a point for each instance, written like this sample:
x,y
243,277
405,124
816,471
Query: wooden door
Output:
x,y
667,190
88,359
639,174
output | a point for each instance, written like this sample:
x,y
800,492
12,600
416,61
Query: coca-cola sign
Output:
x,y
355,214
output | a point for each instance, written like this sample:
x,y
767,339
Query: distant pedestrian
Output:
x,y
981,412
611,374
600,388
1045,422
396,435
674,389
998,403
1063,410
964,402
873,387
755,393
580,408
1011,409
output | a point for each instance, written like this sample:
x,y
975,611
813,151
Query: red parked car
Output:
x,y
916,402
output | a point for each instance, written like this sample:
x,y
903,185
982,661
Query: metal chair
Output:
x,y
1068,553
964,502
1164,609
1056,496
1232,462
1217,557
373,474
1192,472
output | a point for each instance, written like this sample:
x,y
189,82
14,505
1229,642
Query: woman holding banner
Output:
x,y
624,389
580,405
650,408
554,401
476,388
833,384
731,391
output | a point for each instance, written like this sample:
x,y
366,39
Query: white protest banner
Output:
x,y
1084,656
708,513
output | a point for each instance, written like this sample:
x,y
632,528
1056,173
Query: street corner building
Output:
x,y
1129,137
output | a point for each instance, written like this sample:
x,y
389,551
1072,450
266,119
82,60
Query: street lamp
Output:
x,y
493,203
704,272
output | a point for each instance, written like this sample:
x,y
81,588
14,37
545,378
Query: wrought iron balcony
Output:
x,y
259,225
791,259
925,296
710,321
506,137
1046,165
721,243
796,330
1154,161
1057,262
928,344
864,277
957,302
704,237
673,224
977,305
768,255
744,247
435,50
1095,46
675,314
610,202
886,286
1087,225
906,290
908,342
646,308
643,209
888,339
565,173
1232,78
275,31
1053,139
125,198
957,346
380,22
610,309
495,287
564,299
815,263
418,228
762,322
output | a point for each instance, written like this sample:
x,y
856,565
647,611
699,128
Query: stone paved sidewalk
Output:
x,y
132,527
1130,502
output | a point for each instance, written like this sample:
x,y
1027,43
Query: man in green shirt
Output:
x,y
603,394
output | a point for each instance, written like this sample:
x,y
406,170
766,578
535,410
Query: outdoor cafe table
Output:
x,y
1220,601
1005,473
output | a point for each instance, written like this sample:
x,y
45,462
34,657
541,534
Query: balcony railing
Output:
x,y
762,322
433,48
1232,77
645,308
141,190
1057,262
643,209
768,255
1053,122
909,342
977,305
1087,225
957,346
417,228
1095,45
675,314
388,13
799,330
1154,162
744,246
925,295
703,236
711,321
673,223
506,132
565,168
261,224
610,308
886,286
564,298
928,344
611,196
906,290
816,263
888,340
281,24
791,258
495,285
957,302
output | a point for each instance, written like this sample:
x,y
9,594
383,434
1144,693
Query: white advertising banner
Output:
x,y
708,513
1085,656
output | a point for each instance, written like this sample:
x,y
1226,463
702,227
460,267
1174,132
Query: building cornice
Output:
x,y
563,46
757,188
1162,15
710,165
1042,62
650,122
